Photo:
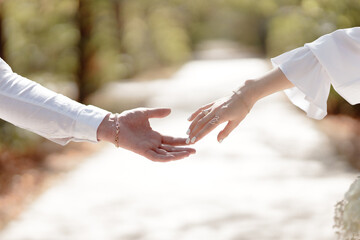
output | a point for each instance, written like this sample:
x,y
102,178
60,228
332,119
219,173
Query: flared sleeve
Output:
x,y
31,106
333,59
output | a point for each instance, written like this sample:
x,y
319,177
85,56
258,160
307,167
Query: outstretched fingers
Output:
x,y
172,149
205,129
158,157
202,118
160,151
157,112
174,141
197,112
210,118
161,155
204,126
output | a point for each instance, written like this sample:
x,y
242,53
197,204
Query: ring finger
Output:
x,y
207,128
201,115
210,119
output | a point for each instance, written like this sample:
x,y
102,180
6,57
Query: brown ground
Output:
x,y
344,133
24,177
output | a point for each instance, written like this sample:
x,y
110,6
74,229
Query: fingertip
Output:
x,y
220,137
158,112
190,151
191,118
166,111
193,115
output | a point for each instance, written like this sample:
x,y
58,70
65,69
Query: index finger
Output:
x,y
199,110
170,148
173,141
167,157
157,112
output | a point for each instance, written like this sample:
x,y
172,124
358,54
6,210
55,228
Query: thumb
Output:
x,y
157,112
227,130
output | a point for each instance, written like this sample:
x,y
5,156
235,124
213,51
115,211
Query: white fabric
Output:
x,y
333,59
28,105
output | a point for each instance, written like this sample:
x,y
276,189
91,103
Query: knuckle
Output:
x,y
200,122
223,115
223,110
197,124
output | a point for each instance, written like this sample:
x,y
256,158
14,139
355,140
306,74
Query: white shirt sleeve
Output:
x,y
333,59
28,105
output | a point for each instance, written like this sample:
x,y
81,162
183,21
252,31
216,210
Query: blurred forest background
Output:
x,y
91,42
77,46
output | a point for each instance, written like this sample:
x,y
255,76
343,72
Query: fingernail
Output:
x,y
188,132
193,139
187,141
189,118
220,141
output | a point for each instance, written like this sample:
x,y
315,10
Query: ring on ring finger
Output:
x,y
215,120
205,112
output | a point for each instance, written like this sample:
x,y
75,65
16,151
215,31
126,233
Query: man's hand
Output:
x,y
137,135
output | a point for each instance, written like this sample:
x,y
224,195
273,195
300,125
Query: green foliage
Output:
x,y
16,139
290,30
41,36
154,34
293,26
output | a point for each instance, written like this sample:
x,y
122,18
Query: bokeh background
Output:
x,y
85,44
78,47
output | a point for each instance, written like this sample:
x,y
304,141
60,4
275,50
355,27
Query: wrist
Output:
x,y
107,129
248,93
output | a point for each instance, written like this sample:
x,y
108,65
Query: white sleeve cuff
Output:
x,y
312,83
87,123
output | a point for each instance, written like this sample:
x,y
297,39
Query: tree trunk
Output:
x,y
2,34
86,54
118,5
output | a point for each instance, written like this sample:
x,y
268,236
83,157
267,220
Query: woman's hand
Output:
x,y
136,135
232,109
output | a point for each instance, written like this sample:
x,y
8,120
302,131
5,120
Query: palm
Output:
x,y
140,131
138,136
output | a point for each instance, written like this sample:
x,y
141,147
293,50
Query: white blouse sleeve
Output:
x,y
333,59
28,105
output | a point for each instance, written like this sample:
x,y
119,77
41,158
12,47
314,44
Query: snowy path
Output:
x,y
276,177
